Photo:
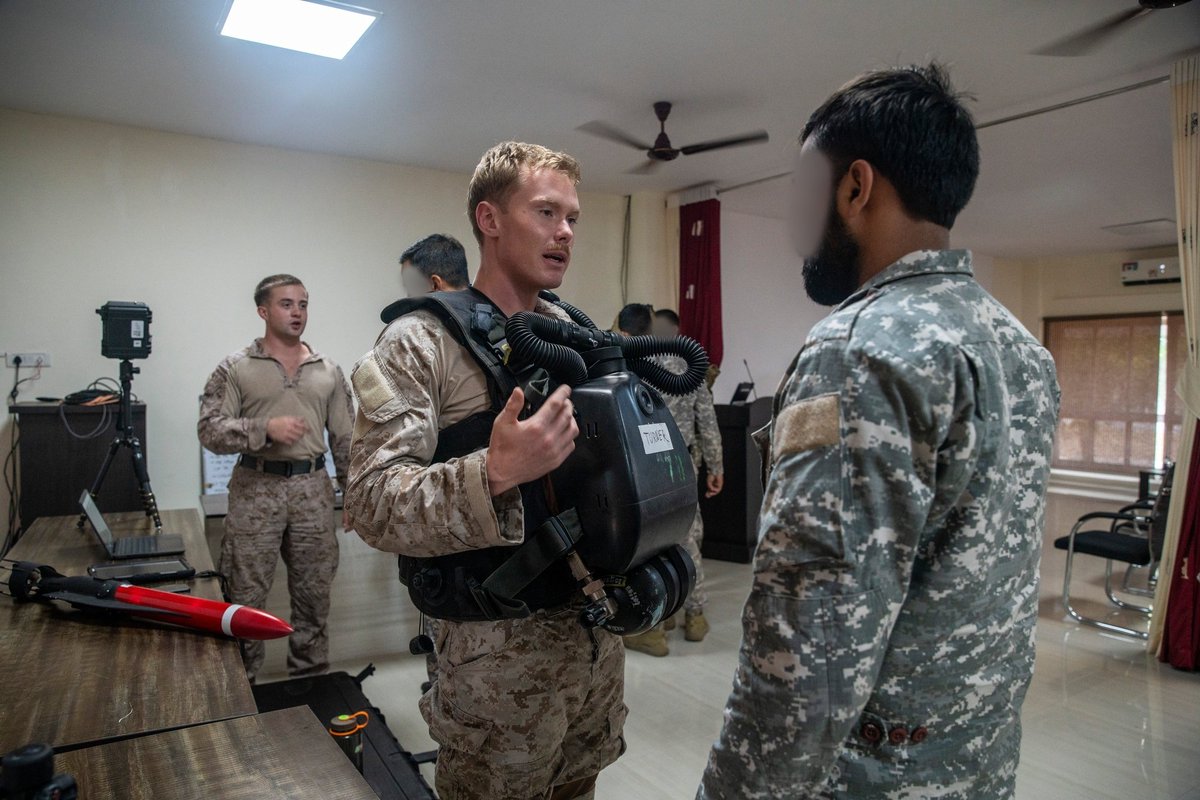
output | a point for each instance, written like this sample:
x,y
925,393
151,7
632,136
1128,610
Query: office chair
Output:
x,y
1134,536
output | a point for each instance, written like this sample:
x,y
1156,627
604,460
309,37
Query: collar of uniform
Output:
x,y
920,262
256,351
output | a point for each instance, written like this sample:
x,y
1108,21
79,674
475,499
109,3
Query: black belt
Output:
x,y
285,468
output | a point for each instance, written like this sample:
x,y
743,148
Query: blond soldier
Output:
x,y
523,707
272,402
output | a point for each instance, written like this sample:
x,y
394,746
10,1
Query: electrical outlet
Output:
x,y
28,360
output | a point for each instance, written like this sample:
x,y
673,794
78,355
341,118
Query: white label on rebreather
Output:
x,y
137,329
656,438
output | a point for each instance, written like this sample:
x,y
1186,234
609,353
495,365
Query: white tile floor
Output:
x,y
1102,719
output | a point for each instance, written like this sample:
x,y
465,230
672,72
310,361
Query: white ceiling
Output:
x,y
435,83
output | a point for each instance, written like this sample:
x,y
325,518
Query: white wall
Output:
x,y
91,212
766,313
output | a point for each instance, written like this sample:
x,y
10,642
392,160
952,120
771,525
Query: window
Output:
x,y
1118,375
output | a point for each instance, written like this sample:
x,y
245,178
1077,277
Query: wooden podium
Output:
x,y
731,518
56,466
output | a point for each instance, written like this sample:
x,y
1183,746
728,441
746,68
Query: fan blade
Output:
x,y
606,131
731,141
647,167
1084,41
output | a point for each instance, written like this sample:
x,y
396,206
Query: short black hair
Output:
x,y
635,319
911,126
441,255
669,315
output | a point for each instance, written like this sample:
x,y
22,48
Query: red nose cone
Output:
x,y
251,623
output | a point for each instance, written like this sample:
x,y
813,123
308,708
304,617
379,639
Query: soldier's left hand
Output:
x,y
715,484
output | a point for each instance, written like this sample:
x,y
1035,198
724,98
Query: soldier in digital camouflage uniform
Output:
x,y
273,402
697,421
889,633
521,708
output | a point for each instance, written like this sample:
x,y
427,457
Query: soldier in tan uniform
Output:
x,y
273,402
697,421
522,708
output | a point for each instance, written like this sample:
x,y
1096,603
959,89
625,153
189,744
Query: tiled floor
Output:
x,y
1102,719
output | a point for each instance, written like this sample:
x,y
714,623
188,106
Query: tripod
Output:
x,y
126,438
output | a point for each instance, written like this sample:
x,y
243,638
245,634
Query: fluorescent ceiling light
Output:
x,y
320,27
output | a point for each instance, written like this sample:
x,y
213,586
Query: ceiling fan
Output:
x,y
662,150
1087,39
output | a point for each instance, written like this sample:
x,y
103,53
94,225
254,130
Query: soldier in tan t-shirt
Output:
x,y
272,402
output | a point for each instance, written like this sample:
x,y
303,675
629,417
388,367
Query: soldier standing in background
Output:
x,y
272,402
523,707
888,636
697,421
436,263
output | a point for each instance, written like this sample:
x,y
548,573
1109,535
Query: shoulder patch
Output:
x,y
378,399
807,425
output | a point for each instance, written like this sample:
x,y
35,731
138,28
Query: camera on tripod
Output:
x,y
28,774
126,329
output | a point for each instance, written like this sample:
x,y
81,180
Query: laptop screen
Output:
x,y
93,514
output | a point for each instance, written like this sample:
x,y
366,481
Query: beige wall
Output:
x,y
1086,285
91,212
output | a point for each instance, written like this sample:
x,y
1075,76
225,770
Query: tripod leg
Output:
x,y
143,478
101,475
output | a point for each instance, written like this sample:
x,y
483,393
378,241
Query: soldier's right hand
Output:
x,y
286,430
524,450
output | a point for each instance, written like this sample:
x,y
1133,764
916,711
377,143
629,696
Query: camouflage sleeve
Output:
x,y
340,424
708,433
221,428
398,500
856,446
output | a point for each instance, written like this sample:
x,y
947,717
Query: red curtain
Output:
x,y
700,275
1181,630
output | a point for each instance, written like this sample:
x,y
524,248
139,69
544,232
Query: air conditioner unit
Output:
x,y
1150,270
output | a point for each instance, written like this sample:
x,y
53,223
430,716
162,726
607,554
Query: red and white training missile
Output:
x,y
30,581
231,619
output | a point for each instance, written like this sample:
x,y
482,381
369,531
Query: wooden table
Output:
x,y
73,679
279,754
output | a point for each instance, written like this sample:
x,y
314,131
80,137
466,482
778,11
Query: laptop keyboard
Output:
x,y
145,545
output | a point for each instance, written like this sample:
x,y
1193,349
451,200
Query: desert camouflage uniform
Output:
x,y
519,706
272,514
889,634
697,421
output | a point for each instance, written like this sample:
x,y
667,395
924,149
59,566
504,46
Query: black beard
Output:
x,y
832,274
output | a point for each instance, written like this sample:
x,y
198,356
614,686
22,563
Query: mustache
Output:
x,y
559,248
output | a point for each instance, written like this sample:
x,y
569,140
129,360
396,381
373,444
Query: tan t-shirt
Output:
x,y
250,387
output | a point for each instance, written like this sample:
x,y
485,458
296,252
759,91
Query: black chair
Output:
x,y
1134,536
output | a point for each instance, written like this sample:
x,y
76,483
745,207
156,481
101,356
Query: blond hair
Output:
x,y
499,172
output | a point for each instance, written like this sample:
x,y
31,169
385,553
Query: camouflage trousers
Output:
x,y
696,600
522,706
270,515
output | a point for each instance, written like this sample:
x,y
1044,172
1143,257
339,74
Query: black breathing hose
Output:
x,y
556,345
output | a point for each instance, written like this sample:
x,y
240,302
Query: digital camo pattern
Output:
x,y
249,387
889,633
269,515
519,706
699,596
696,418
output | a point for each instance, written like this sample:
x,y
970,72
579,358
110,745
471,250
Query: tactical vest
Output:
x,y
497,582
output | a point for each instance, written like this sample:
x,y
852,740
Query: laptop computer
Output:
x,y
128,546
741,393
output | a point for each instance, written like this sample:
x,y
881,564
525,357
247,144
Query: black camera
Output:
x,y
126,329
28,774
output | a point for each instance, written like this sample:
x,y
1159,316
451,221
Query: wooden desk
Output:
x,y
279,754
71,679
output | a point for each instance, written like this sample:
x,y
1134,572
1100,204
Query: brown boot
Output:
x,y
695,626
669,623
653,642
